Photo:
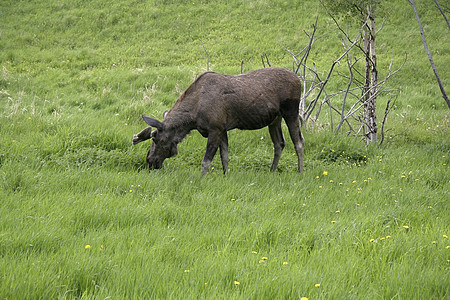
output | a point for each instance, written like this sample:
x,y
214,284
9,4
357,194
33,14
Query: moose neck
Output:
x,y
179,123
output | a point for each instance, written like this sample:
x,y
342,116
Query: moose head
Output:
x,y
163,146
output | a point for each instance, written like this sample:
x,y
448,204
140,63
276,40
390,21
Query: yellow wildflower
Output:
x,y
325,173
236,282
317,285
285,262
87,247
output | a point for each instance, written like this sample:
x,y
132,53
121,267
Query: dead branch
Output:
x,y
442,12
430,58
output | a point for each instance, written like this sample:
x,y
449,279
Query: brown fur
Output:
x,y
215,103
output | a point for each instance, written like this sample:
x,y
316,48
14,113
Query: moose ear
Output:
x,y
165,114
153,122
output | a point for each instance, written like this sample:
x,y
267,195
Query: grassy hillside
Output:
x,y
81,217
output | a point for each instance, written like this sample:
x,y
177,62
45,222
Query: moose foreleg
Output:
x,y
214,140
224,152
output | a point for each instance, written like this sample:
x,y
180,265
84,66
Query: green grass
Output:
x,y
363,222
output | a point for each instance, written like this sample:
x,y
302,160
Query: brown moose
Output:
x,y
215,103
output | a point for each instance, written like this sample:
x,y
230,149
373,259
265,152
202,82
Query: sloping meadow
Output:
x,y
82,217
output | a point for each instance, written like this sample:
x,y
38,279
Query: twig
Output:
x,y
207,55
386,112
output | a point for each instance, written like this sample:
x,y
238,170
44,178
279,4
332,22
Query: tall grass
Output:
x,y
81,217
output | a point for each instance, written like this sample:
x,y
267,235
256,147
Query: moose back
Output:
x,y
215,103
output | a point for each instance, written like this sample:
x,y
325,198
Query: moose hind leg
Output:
x,y
297,138
224,152
278,141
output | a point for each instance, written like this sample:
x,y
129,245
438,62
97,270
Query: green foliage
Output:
x,y
82,217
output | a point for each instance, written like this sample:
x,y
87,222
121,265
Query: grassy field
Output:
x,y
81,217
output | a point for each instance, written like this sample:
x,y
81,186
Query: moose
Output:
x,y
215,103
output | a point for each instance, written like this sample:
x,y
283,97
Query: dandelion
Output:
x,y
264,258
233,199
320,186
331,180
430,207
285,262
236,282
371,240
388,236
332,222
186,271
317,177
325,173
254,252
434,242
338,211
87,247
448,247
303,298
406,226
317,285
354,181
101,246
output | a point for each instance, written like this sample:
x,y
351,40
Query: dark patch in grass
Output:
x,y
346,156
